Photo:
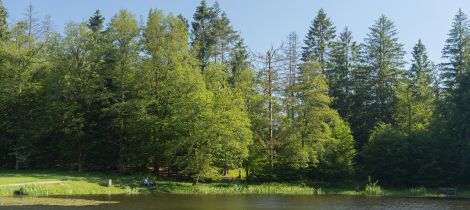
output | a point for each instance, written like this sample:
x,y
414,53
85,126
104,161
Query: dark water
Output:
x,y
256,202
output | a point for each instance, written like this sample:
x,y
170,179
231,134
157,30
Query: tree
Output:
x,y
123,30
202,39
3,22
224,35
176,103
20,63
318,40
291,52
454,51
317,133
230,123
345,58
416,95
96,22
32,22
383,63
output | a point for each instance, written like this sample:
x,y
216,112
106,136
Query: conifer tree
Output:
x,y
344,60
416,94
455,50
384,58
318,40
96,22
202,39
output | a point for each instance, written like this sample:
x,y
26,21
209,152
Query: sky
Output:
x,y
266,23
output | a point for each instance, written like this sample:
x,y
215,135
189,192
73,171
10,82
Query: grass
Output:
x,y
74,183
372,188
93,184
235,188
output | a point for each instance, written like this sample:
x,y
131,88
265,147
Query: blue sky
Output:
x,y
267,22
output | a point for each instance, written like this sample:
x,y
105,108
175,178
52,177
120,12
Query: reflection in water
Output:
x,y
254,202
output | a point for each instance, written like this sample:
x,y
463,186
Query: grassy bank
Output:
x,y
72,183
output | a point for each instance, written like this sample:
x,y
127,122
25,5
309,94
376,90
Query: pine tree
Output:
x,y
384,57
318,40
416,95
238,62
202,39
96,22
454,51
225,36
344,59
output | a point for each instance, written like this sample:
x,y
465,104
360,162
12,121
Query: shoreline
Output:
x,y
51,183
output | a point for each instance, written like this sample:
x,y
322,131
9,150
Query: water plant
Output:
x,y
372,188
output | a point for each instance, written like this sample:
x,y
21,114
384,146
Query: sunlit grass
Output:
x,y
235,188
94,184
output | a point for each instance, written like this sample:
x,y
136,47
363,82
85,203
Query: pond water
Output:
x,y
241,202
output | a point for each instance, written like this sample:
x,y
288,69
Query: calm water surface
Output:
x,y
257,202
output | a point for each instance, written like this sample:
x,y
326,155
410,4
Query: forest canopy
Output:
x,y
185,98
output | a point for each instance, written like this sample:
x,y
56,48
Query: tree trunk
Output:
x,y
17,161
79,161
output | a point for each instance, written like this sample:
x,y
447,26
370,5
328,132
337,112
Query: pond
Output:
x,y
230,202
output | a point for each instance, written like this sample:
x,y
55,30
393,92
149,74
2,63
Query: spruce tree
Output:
x,y
202,39
416,95
455,50
344,59
95,23
318,40
384,58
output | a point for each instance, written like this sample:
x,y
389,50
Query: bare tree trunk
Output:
x,y
270,94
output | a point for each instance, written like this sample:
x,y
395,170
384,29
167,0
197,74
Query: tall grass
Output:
x,y
236,188
372,188
32,190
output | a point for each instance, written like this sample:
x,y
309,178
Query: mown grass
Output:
x,y
93,184
74,183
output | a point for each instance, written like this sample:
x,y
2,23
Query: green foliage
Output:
x,y
345,58
3,22
319,39
318,138
32,190
372,188
416,95
455,51
386,155
159,97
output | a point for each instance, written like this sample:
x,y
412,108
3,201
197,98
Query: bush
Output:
x,y
386,155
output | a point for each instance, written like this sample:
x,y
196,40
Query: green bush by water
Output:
x,y
372,188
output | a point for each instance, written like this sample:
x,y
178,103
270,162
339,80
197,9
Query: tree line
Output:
x,y
189,98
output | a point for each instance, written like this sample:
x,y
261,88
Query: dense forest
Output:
x,y
189,98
